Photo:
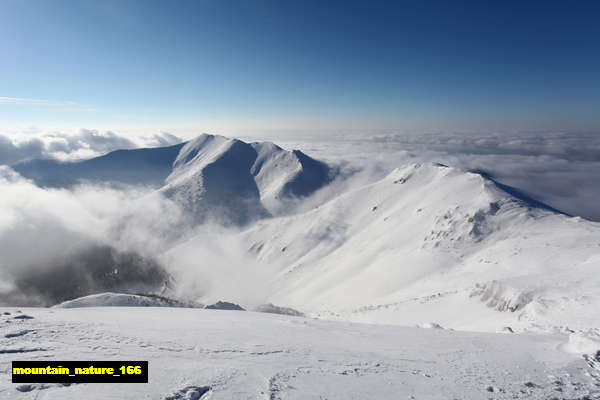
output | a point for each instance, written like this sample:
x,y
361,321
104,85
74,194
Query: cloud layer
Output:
x,y
102,238
85,144
57,244
559,169
91,237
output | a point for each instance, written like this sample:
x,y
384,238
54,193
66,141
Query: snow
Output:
x,y
424,282
235,354
209,176
429,243
121,300
234,182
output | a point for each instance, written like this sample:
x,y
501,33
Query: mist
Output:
x,y
59,244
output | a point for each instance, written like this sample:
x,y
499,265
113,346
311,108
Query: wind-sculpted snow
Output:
x,y
214,354
123,300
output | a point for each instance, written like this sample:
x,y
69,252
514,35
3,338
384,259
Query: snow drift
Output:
x,y
110,299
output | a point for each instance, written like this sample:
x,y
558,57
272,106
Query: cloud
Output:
x,y
560,169
72,230
87,139
579,147
21,100
92,238
57,105
12,152
89,239
86,143
162,140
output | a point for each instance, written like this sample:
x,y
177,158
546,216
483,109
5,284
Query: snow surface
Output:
x,y
240,355
211,176
233,182
465,288
121,300
428,243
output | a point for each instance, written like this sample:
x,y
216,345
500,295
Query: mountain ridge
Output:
x,y
429,243
425,243
212,177
234,182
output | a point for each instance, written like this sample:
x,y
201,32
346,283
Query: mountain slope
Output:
x,y
431,243
234,182
212,177
138,166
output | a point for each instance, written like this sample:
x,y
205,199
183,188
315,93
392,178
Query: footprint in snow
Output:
x,y
189,393
19,350
19,333
39,386
29,388
23,316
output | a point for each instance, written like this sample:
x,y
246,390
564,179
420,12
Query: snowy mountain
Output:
x,y
233,182
426,244
213,177
429,243
138,166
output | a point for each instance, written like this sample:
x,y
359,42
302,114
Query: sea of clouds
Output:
x,y
559,169
58,243
87,143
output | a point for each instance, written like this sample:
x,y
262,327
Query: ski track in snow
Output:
x,y
201,354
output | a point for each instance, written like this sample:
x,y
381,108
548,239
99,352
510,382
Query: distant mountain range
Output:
x,y
427,243
137,166
227,180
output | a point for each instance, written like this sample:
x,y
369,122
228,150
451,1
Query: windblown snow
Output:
x,y
239,355
424,246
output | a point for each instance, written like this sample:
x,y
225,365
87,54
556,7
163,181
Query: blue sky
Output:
x,y
249,65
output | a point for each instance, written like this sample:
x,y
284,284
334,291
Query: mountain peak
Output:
x,y
237,182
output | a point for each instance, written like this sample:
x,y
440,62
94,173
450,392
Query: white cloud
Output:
x,y
58,105
86,143
72,230
560,169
